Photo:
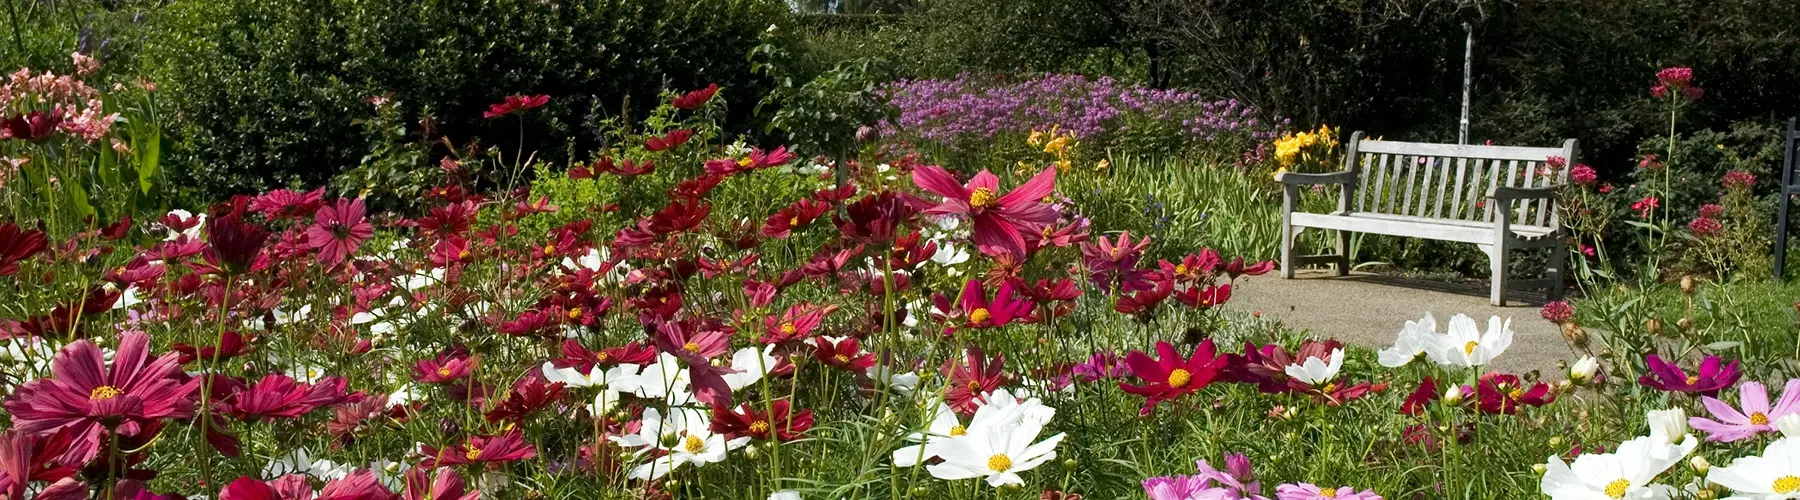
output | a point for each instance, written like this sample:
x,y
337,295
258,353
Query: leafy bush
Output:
x,y
269,90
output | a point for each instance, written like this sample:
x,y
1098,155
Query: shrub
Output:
x,y
270,89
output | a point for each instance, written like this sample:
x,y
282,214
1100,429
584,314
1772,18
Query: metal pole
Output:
x,y
1462,133
1781,219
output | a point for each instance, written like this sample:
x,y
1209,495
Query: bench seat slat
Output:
x,y
1411,226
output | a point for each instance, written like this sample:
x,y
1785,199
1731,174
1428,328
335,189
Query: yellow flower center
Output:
x,y
602,356
759,427
1328,492
958,430
1758,418
1516,393
574,312
1180,378
842,358
1001,462
103,393
549,249
1787,484
981,198
745,162
1329,388
463,254
1692,379
980,315
693,347
693,444
788,328
1181,269
1469,348
1616,489
313,373
443,372
473,453
974,385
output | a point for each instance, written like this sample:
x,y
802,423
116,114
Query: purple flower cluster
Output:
x,y
966,107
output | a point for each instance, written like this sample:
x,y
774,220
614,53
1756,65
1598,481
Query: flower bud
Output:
x,y
1687,285
1574,335
1584,369
1070,464
1705,494
1538,468
1700,464
1653,326
1454,395
1684,324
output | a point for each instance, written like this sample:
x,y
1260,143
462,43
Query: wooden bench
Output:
x,y
1500,198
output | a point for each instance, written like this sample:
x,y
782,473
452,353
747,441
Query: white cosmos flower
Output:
x,y
128,298
1627,473
1314,371
884,377
1412,341
301,461
418,280
1000,410
949,255
1773,475
1464,345
749,368
995,452
1671,425
192,232
686,436
658,380
407,394
943,425
1789,425
785,495
601,378
307,373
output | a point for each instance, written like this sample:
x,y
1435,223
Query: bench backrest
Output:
x,y
1451,181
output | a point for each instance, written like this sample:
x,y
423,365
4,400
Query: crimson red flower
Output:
x,y
18,244
529,395
445,368
794,216
760,159
1113,263
696,344
1204,298
25,458
285,203
515,104
693,100
973,379
1194,268
844,353
280,396
976,311
34,125
1169,376
235,245
673,139
338,230
998,220
87,397
781,424
1426,393
231,345
137,270
444,484
1503,393
1237,268
874,219
797,323
507,447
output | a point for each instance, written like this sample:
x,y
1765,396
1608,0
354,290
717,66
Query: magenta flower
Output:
x,y
508,447
999,220
86,397
338,230
1557,311
441,484
1711,376
1583,175
1114,262
1176,487
1704,227
979,312
1729,424
1677,80
1308,491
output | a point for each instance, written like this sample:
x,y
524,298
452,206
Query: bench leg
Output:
x,y
1343,251
1557,273
1287,249
1497,264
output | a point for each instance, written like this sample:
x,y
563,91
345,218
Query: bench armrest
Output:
x,y
1299,179
1503,193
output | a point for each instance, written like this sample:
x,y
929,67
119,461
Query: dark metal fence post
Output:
x,y
1787,191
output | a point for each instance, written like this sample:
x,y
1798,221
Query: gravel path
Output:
x,y
1369,309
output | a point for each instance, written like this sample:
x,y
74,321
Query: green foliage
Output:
x,y
1757,323
1183,206
270,90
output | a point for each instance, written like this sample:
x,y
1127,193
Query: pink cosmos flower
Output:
x,y
445,368
1712,375
1729,424
441,484
338,230
1308,491
999,220
86,397
1110,260
978,311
